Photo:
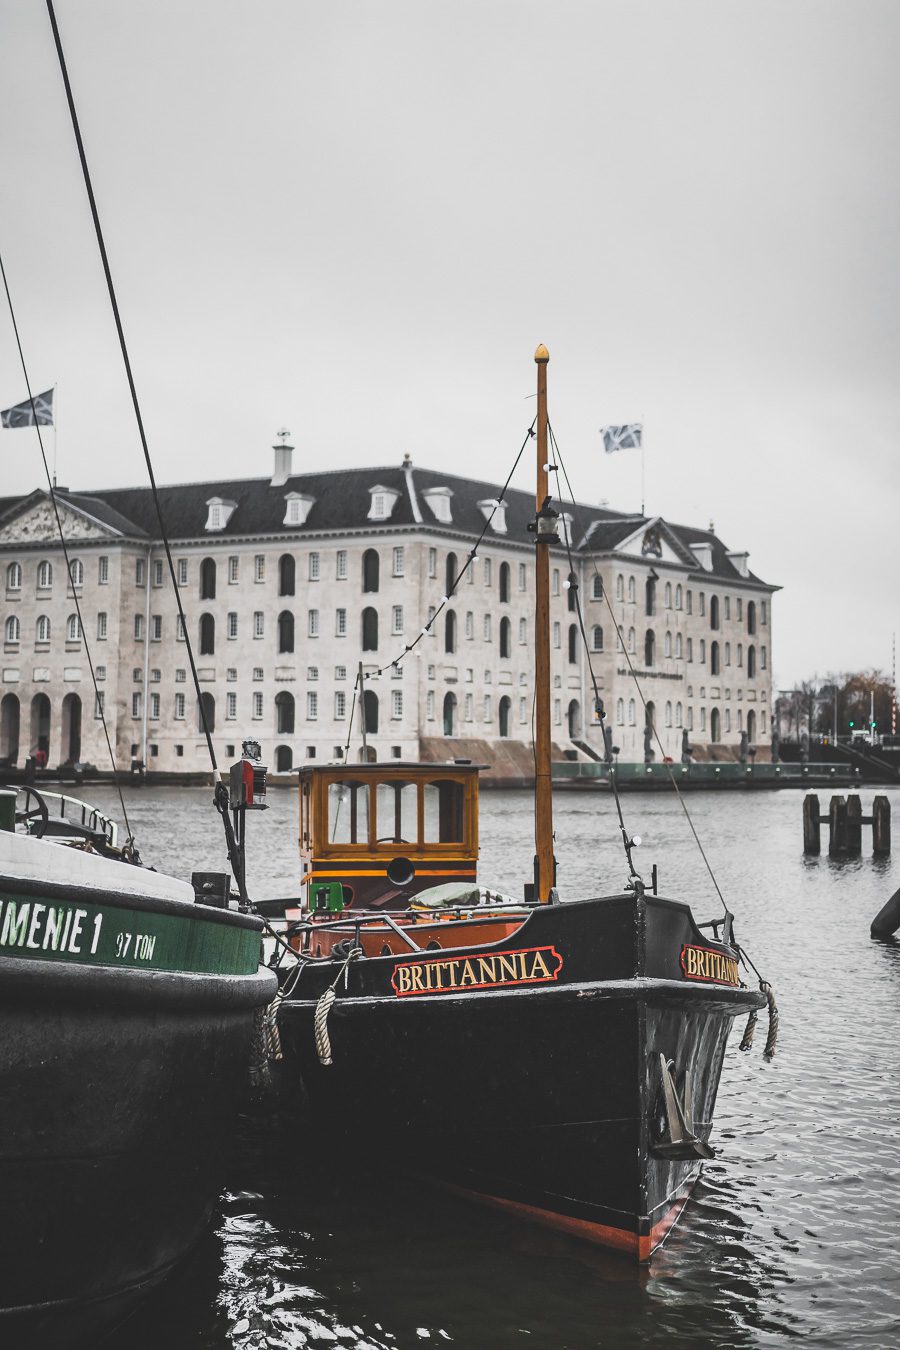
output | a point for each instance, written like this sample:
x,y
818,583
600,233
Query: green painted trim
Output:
x,y
108,935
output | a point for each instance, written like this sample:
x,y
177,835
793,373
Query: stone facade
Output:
x,y
281,617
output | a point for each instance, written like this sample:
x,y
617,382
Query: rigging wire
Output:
x,y
98,701
221,793
451,589
652,723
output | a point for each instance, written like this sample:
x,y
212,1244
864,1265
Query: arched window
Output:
x,y
596,638
572,592
596,587
73,629
450,577
751,662
679,597
206,708
668,714
505,709
370,569
76,572
287,574
504,583
651,596
667,594
649,647
284,759
714,658
620,587
13,628
70,748
42,630
631,590
285,631
207,635
714,611
751,617
208,579
573,643
740,654
728,653
678,715
449,714
632,712
574,719
370,629
667,644
620,712
505,638
14,577
450,631
679,649
751,726
10,718
370,711
715,726
285,713
45,576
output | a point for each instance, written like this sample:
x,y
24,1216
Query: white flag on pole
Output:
x,y
627,437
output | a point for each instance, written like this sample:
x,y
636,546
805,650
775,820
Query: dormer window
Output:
x,y
439,499
219,512
703,554
739,562
564,527
298,507
383,501
494,512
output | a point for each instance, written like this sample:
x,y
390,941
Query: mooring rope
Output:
x,y
323,1008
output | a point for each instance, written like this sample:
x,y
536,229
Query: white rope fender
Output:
x,y
323,1008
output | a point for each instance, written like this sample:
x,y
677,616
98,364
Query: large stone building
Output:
x,y
289,582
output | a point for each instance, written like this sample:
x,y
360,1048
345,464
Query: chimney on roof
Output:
x,y
283,452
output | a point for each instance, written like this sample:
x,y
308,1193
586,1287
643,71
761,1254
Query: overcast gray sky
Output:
x,y
359,219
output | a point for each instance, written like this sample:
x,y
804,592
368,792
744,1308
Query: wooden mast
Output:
x,y
543,803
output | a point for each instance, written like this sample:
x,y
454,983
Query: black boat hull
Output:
x,y
545,1099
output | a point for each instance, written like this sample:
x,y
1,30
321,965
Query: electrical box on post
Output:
x,y
247,787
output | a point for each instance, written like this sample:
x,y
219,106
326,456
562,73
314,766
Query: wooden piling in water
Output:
x,y
812,834
853,823
881,825
845,820
837,827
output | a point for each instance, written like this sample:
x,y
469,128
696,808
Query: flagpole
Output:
x,y
55,421
643,492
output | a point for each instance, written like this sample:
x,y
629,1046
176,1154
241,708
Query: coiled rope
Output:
x,y
323,1008
750,1029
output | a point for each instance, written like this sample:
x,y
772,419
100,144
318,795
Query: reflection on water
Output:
x,y
792,1231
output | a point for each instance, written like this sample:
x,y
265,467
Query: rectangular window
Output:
x,y
232,629
156,628
397,671
101,672
230,706
429,705
689,603
138,627
487,627
396,703
259,624
312,625
523,576
137,675
702,719
523,630
234,569
180,675
557,635
397,620
702,651
487,571
312,705
157,571
103,571
154,707
468,708
314,567
727,604
101,627
259,567
312,672
179,629
523,709
556,581
690,719
762,658
257,706
690,649
432,563
179,707
487,708
470,625
702,611
98,704
557,712
257,672
763,612
340,672
231,674
340,569
340,622
398,561
182,571
155,676
340,704
140,571
136,703
739,607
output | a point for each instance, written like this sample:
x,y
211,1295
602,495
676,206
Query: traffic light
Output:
x,y
852,724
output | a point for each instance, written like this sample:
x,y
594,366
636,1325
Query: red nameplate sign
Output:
x,y
702,963
458,974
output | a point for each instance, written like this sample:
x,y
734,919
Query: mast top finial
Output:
x,y
542,356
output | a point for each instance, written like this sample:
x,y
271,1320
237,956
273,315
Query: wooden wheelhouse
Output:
x,y
386,832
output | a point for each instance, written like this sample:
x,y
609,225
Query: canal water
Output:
x,y
792,1231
